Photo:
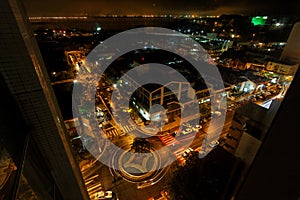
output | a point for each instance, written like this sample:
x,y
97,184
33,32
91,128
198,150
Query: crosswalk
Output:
x,y
113,133
168,140
179,155
93,186
128,128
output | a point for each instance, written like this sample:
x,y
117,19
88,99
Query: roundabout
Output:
x,y
136,167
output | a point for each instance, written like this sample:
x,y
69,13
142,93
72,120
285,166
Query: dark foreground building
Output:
x,y
37,161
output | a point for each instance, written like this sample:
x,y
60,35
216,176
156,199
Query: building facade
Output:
x,y
33,133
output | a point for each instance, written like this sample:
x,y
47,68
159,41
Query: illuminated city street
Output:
x,y
133,171
149,100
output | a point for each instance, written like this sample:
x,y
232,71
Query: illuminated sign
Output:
x,y
259,20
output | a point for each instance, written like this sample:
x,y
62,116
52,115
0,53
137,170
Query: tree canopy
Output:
x,y
205,178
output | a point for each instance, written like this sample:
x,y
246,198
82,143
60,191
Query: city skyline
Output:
x,y
154,7
103,106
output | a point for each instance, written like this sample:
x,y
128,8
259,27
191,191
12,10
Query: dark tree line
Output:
x,y
209,178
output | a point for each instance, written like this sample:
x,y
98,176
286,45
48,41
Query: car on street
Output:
x,y
197,127
108,194
187,151
104,195
216,113
145,184
187,130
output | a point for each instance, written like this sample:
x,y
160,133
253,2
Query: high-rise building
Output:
x,y
35,152
291,51
274,172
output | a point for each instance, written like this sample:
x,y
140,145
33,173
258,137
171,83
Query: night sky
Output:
x,y
197,7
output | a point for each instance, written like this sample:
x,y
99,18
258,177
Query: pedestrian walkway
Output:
x,y
93,186
168,140
112,133
178,153
128,128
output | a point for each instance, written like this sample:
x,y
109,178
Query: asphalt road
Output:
x,y
128,191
